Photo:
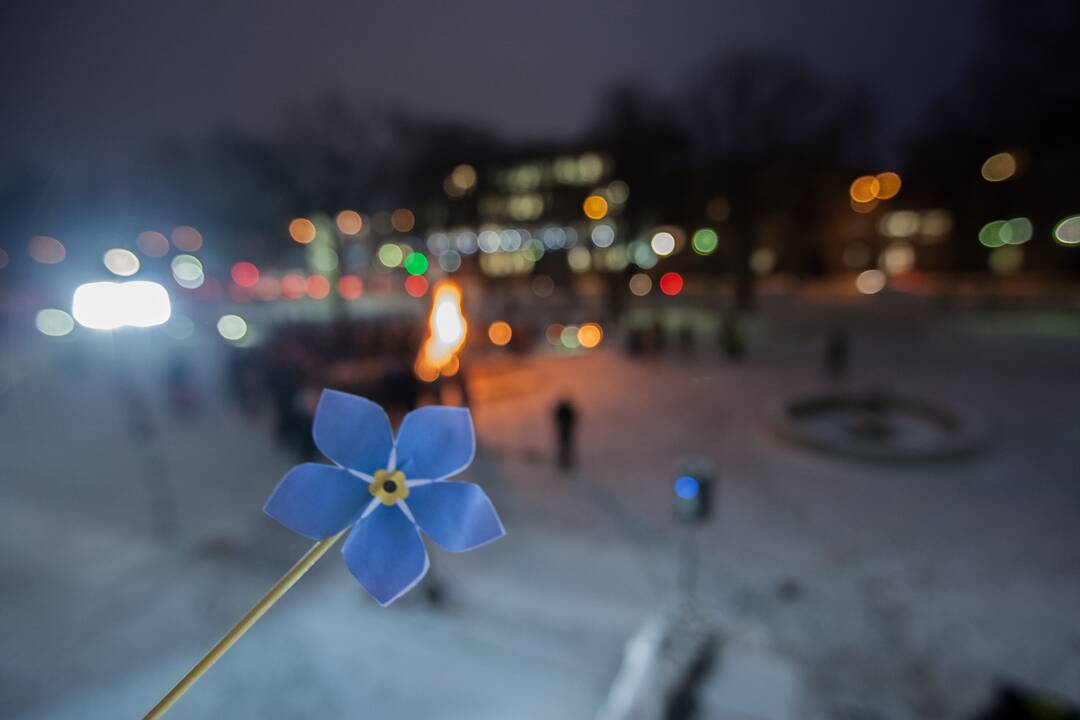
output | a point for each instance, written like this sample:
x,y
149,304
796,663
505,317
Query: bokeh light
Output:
x,y
618,192
391,255
763,260
500,332
350,287
293,286
54,322
416,263
121,262
640,284
1017,231
47,250
999,167
450,261
463,178
1067,232
996,233
232,327
662,243
595,207
268,288
579,259
705,241
488,241
935,223
349,222
864,189
642,255
323,258
671,283
569,337
990,234
870,282
416,285
589,335
898,258
152,243
187,238
899,224
302,230
317,287
403,220
602,235
888,185
187,271
245,274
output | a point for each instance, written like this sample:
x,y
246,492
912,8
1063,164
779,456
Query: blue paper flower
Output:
x,y
389,488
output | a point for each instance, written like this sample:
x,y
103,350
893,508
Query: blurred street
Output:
x,y
903,590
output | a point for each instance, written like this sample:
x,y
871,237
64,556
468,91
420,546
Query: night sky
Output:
x,y
86,81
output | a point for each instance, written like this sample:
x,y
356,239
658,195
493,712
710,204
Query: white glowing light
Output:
x,y
232,327
187,271
446,334
663,243
121,262
870,282
448,324
603,235
112,305
54,323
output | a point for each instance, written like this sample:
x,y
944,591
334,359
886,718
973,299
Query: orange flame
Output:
x,y
447,328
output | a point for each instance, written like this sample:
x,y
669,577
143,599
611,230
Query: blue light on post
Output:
x,y
687,487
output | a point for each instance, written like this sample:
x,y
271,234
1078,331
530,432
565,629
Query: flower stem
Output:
x,y
272,596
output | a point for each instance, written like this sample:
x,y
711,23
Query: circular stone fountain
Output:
x,y
877,425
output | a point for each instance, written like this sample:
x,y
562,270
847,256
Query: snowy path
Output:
x,y
909,590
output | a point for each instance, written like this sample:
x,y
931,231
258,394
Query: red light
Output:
x,y
350,287
268,288
416,285
318,287
245,274
292,286
671,283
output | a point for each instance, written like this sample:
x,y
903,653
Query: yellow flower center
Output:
x,y
389,487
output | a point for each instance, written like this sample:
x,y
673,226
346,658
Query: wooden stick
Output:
x,y
280,588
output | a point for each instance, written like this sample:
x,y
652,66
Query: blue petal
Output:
x,y
317,500
457,515
385,553
435,442
352,431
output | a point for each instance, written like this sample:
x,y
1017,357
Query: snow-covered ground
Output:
x,y
885,591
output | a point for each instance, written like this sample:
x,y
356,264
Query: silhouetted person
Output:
x,y
731,340
837,354
686,339
659,337
181,389
565,419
